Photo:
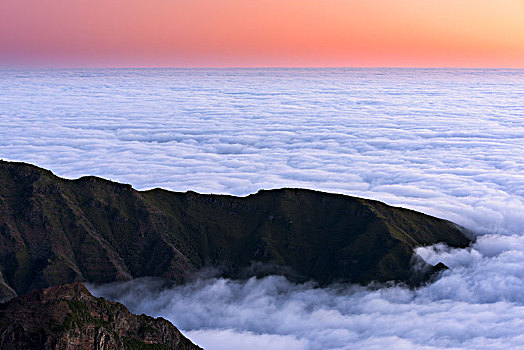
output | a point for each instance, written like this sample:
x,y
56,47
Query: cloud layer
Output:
x,y
446,142
477,304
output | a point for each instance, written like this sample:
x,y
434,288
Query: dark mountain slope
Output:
x,y
69,317
55,231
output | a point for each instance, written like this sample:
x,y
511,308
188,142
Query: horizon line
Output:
x,y
255,67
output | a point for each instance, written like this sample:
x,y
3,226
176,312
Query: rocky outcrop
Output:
x,y
55,231
68,317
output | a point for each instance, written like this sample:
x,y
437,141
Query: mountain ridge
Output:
x,y
55,231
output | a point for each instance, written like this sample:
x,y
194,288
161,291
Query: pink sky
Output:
x,y
262,33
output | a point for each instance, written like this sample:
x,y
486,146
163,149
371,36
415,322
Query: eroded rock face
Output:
x,y
68,317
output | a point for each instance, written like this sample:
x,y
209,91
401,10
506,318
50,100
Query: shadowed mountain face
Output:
x,y
69,317
55,231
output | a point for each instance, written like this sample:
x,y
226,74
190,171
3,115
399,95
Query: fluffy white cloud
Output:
x,y
478,303
446,142
227,339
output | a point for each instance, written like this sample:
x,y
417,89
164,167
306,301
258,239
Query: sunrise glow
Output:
x,y
262,33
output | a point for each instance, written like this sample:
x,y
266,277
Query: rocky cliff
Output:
x,y
68,317
55,231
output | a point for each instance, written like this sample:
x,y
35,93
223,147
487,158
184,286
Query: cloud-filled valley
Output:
x,y
446,142
478,304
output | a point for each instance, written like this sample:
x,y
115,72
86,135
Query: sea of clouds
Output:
x,y
446,142
477,304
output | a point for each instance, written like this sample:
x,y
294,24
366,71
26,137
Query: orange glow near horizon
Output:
x,y
258,33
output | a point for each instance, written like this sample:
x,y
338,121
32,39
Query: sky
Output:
x,y
262,33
